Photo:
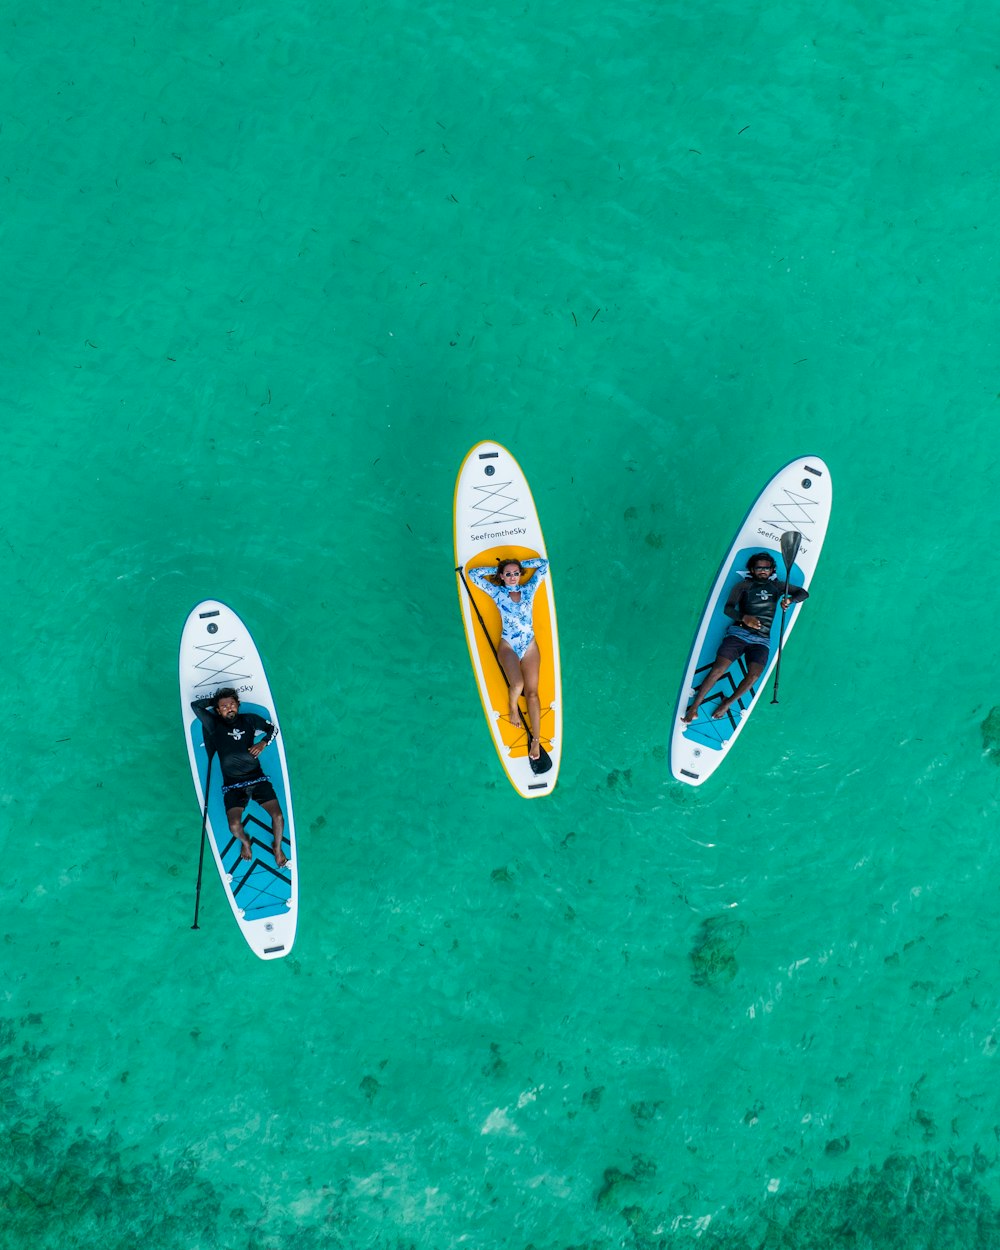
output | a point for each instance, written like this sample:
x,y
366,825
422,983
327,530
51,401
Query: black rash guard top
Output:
x,y
231,740
759,599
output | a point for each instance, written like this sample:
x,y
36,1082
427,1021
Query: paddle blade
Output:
x,y
790,543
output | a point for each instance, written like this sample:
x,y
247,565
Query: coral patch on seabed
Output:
x,y
713,955
62,1186
990,729
935,1201
930,1201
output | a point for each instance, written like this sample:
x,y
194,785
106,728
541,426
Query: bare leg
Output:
x,y
715,674
273,809
753,672
234,815
515,679
531,662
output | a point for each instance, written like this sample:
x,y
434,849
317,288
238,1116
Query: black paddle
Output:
x,y
789,550
201,856
544,761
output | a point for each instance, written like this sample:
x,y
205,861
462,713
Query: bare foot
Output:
x,y
722,710
280,858
690,715
535,750
515,716
245,851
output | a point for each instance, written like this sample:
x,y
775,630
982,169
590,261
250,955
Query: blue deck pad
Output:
x,y
716,733
260,888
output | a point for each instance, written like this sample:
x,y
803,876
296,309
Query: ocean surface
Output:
x,y
269,271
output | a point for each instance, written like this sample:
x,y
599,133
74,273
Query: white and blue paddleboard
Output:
x,y
798,498
217,650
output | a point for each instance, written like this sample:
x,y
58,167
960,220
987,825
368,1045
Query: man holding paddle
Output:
x,y
751,606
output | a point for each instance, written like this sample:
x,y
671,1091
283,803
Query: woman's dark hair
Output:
x,y
502,564
226,692
764,556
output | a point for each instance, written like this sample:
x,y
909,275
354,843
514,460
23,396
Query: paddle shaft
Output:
x,y
781,628
201,854
503,671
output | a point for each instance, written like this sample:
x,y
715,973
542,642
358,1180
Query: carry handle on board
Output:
x,y
544,761
789,550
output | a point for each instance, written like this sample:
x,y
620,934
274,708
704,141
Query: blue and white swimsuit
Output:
x,y
517,628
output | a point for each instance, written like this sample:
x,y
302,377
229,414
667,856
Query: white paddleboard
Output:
x,y
797,498
495,517
217,651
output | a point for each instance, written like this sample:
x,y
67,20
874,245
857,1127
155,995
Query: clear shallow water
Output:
x,y
270,273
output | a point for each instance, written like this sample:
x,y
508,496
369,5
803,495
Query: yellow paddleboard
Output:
x,y
495,517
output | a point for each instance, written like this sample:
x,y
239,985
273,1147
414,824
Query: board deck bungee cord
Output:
x,y
217,651
797,499
495,517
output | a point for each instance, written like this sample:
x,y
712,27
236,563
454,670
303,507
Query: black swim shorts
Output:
x,y
753,652
259,789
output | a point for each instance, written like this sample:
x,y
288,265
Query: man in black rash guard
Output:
x,y
751,606
230,734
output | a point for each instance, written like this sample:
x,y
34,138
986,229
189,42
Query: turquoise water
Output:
x,y
270,271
